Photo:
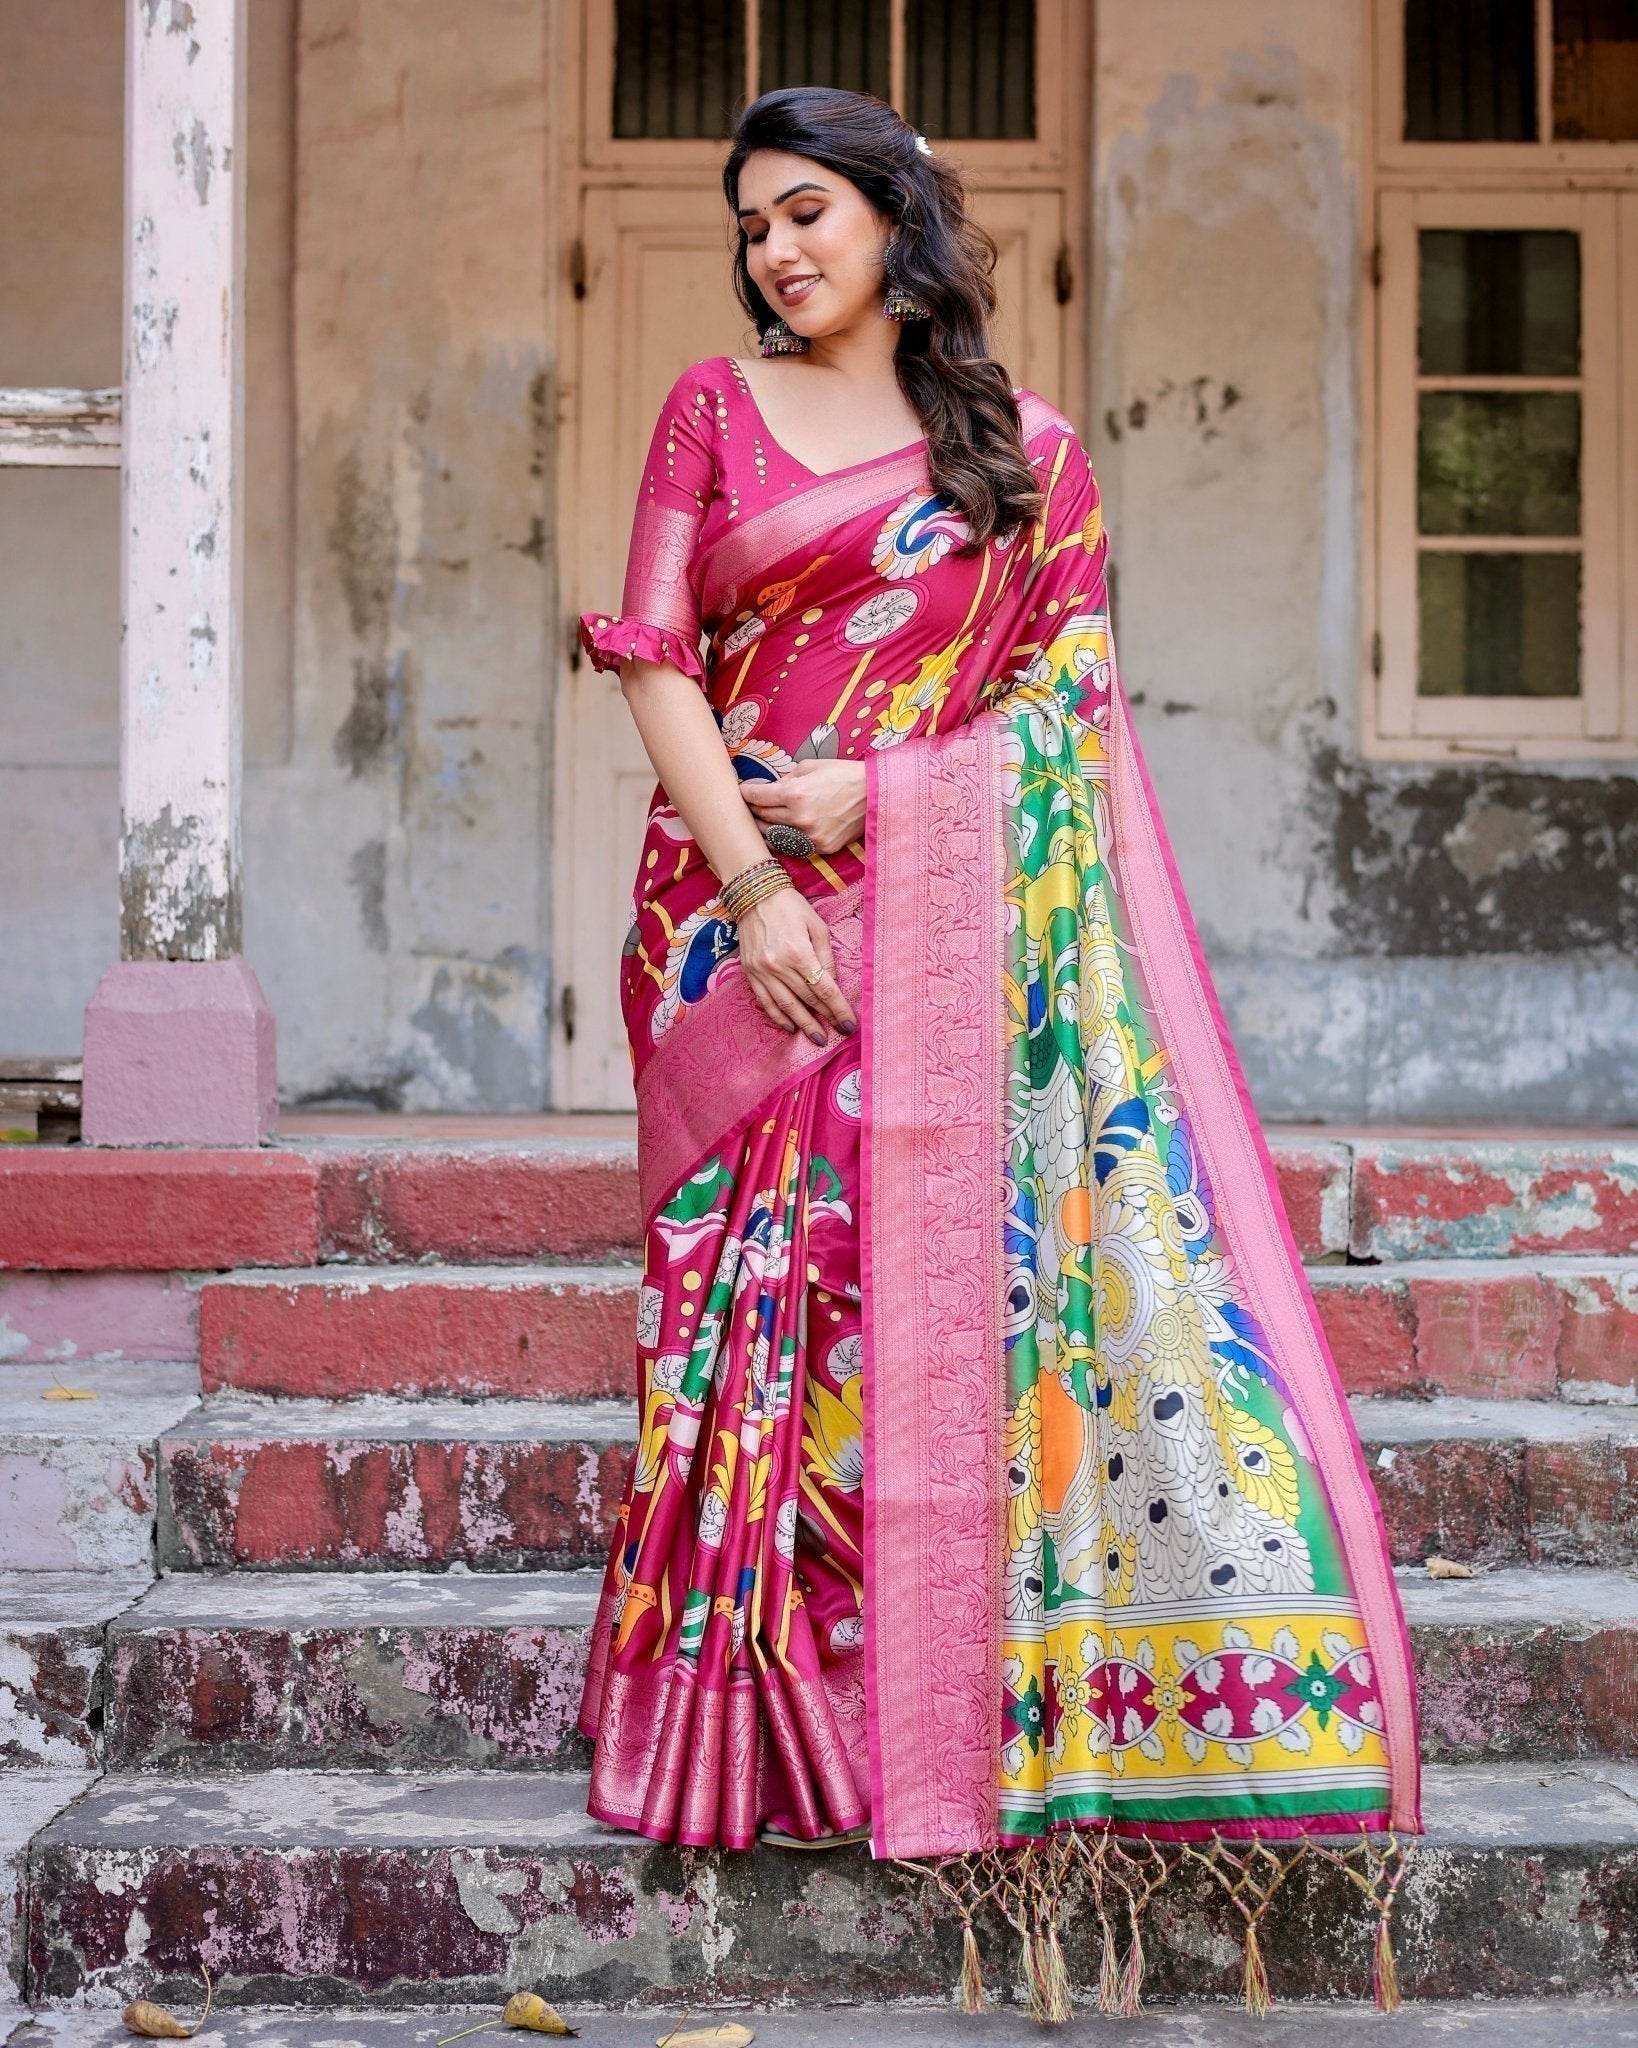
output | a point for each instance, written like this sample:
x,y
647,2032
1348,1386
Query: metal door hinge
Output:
x,y
574,640
577,266
1376,654
1376,266
1063,277
566,1006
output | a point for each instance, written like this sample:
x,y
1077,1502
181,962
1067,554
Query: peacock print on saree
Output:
x,y
1181,1643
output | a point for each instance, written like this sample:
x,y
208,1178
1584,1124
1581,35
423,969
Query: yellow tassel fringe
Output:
x,y
1035,1889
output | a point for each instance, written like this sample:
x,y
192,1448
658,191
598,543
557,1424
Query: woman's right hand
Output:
x,y
782,938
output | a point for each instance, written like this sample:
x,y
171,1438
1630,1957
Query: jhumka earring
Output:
x,y
780,339
898,301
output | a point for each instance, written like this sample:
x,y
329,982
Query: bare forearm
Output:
x,y
684,742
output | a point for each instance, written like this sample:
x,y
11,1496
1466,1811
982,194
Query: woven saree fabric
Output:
x,y
995,1488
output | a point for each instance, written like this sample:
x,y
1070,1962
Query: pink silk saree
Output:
x,y
994,1483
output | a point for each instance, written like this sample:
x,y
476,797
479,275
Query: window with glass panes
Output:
x,y
958,69
1504,487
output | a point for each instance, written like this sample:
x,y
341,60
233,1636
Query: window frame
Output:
x,y
1406,186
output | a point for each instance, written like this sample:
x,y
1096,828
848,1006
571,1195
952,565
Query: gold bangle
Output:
x,y
737,888
743,899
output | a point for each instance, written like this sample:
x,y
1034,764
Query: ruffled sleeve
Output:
x,y
659,615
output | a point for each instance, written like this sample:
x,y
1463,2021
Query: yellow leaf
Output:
x,y
154,2023
73,1394
529,2009
729,2035
1447,1568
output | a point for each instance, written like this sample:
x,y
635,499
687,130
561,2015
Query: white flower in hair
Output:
x,y
923,144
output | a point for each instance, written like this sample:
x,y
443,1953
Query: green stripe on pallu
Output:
x,y
1089,1806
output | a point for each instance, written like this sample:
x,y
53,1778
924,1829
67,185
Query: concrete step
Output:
x,y
77,1478
1426,2023
329,1888
53,1628
566,1331
28,1800
351,1670
507,1485
427,1671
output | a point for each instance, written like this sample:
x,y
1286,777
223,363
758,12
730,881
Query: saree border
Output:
x,y
1230,1138
724,1058
931,1197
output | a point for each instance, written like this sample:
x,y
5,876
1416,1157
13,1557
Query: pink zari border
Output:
x,y
1252,1217
932,1075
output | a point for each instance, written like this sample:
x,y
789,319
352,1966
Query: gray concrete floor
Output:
x,y
1557,2024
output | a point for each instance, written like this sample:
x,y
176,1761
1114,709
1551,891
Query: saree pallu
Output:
x,y
995,1484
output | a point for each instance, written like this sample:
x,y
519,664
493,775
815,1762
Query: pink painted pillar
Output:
x,y
179,1044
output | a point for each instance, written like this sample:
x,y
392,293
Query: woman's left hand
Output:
x,y
824,799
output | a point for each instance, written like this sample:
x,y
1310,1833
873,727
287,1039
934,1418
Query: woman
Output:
x,y
995,1494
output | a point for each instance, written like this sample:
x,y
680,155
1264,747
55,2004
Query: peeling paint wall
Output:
x,y
396,710
1391,940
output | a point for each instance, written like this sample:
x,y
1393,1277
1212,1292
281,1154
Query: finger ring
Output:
x,y
783,838
816,975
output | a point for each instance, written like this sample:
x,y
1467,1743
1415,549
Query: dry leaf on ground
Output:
x,y
155,2023
529,2009
730,2034
1447,1568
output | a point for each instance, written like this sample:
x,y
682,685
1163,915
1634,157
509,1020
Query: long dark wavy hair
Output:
x,y
961,394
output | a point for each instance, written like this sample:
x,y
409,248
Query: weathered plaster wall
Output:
x,y
397,680
1390,940
1393,942
397,902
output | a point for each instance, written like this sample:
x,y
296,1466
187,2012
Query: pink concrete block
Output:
x,y
179,1052
73,1209
46,1317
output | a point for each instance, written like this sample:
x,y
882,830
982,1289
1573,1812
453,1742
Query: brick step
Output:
x,y
1542,1328
308,1887
1368,1196
1504,1482
77,1478
1351,2023
1497,1198
507,1485
504,1485
430,1671
566,1331
1523,1328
